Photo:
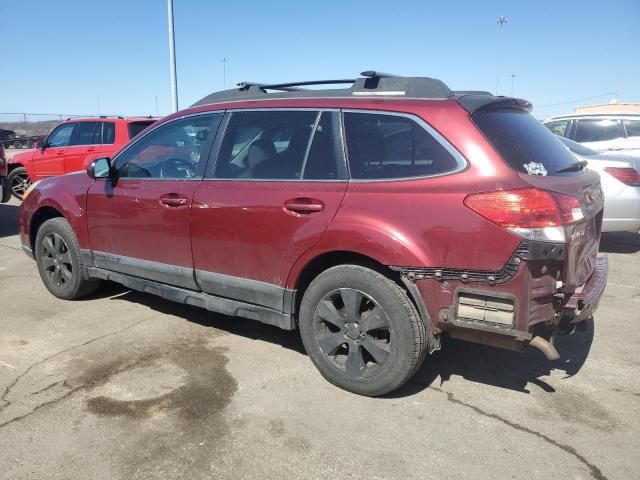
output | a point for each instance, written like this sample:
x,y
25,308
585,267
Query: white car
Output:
x,y
614,133
620,178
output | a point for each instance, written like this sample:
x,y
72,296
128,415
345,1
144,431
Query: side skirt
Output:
x,y
212,303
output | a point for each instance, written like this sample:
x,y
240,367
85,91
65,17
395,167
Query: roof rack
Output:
x,y
371,83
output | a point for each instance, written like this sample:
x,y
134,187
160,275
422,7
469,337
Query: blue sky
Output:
x,y
61,55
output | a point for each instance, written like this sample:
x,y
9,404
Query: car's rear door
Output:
x,y
600,134
49,161
279,179
139,224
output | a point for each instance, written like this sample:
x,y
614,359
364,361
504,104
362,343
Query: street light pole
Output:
x,y
513,79
501,21
224,72
172,59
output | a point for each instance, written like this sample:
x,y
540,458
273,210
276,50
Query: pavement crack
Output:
x,y
11,248
73,390
7,390
593,469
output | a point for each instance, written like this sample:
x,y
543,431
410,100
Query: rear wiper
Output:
x,y
574,167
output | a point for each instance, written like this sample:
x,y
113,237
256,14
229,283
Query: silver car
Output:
x,y
620,178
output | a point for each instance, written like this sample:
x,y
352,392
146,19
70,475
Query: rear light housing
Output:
x,y
627,175
528,212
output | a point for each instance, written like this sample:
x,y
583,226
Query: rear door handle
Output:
x,y
60,152
304,205
91,149
174,200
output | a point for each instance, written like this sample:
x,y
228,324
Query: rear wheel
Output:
x,y
19,181
59,262
361,330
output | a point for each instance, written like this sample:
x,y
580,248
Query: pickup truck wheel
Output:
x,y
361,330
19,181
17,144
59,262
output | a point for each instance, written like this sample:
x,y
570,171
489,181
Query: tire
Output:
x,y
59,262
19,181
361,330
17,144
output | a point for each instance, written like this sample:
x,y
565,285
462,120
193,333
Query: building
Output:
x,y
612,107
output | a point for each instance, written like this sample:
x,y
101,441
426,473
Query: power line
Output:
x,y
576,101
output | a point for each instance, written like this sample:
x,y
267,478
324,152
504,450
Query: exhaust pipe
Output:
x,y
545,347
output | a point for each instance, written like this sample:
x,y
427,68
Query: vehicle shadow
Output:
x,y
8,220
620,242
473,362
498,367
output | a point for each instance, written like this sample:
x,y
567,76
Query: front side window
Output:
x,y
632,127
381,146
175,150
61,136
86,133
559,127
597,130
266,145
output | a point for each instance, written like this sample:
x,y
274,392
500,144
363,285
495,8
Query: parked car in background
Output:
x,y
69,145
374,218
5,189
620,178
607,133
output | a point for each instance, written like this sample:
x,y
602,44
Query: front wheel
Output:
x,y
361,330
59,262
19,181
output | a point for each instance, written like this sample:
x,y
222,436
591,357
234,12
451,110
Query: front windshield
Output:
x,y
576,147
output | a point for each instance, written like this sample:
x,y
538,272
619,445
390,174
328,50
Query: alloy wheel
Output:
x,y
353,332
56,260
19,184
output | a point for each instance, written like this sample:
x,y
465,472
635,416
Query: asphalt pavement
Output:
x,y
125,385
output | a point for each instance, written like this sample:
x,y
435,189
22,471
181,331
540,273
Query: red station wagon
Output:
x,y
69,146
375,218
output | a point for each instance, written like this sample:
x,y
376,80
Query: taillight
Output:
x,y
628,176
529,212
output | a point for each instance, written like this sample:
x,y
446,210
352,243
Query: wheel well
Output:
x,y
13,166
332,259
42,215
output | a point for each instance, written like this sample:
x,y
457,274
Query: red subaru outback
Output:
x,y
68,147
374,218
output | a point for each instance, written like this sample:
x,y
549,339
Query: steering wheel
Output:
x,y
175,167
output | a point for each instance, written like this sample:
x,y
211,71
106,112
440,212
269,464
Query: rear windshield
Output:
x,y
136,127
524,143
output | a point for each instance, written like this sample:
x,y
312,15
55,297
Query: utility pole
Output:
x,y
172,59
501,22
224,72
513,79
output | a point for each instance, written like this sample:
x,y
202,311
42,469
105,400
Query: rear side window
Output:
x,y
524,143
134,128
108,133
632,127
382,146
86,133
597,130
280,145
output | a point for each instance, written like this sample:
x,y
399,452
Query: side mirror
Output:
x,y
99,168
39,145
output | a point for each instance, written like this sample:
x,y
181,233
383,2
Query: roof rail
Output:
x,y
371,83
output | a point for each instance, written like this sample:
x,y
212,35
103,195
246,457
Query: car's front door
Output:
x,y
49,161
279,179
139,222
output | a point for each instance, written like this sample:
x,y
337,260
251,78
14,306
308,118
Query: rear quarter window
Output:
x,y
597,130
134,128
523,142
383,146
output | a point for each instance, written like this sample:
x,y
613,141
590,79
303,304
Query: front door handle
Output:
x,y
174,200
304,205
91,149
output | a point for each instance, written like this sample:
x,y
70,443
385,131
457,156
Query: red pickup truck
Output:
x,y
70,145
